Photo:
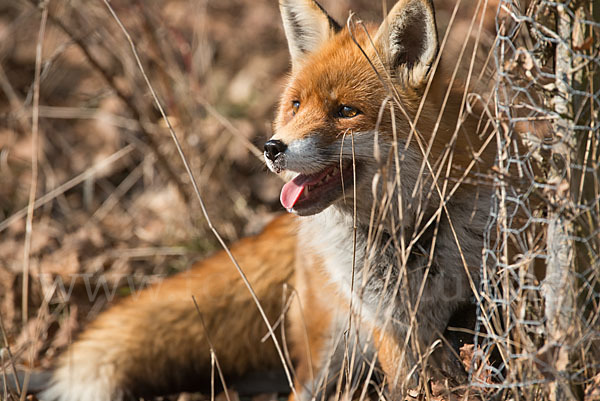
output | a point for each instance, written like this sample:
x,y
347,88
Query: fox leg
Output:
x,y
325,348
445,294
310,331
402,366
155,342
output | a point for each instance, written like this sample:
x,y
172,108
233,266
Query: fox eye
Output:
x,y
348,112
295,107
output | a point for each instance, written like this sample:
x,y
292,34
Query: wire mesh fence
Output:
x,y
538,330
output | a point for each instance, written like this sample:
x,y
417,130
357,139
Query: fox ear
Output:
x,y
408,37
306,27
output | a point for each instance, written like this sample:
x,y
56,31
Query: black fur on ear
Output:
x,y
306,26
409,38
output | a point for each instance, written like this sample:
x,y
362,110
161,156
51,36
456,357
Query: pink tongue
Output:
x,y
290,194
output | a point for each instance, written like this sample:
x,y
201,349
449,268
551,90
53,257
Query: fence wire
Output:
x,y
538,335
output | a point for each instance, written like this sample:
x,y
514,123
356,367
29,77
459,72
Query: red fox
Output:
x,y
383,162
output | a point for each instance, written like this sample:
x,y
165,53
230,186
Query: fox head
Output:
x,y
346,121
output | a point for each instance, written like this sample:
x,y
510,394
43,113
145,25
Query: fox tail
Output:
x,y
157,342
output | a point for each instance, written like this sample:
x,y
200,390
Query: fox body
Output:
x,y
382,163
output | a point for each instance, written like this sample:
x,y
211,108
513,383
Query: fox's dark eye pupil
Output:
x,y
348,112
295,106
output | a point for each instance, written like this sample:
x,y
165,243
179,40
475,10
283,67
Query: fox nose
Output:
x,y
274,148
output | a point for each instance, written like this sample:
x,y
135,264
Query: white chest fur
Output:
x,y
330,235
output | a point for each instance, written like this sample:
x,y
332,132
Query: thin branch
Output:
x,y
10,356
34,163
213,354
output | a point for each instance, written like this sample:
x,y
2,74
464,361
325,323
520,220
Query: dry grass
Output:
x,y
95,202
